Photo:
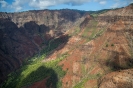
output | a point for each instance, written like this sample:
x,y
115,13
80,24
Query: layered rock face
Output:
x,y
24,34
120,23
114,15
62,19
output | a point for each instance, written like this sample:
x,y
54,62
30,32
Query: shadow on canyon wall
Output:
x,y
17,44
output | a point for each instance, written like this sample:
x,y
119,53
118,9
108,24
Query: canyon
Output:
x,y
94,52
26,34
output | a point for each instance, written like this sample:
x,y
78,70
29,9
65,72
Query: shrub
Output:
x,y
107,45
112,44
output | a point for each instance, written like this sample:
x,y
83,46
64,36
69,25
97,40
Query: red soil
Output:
x,y
40,84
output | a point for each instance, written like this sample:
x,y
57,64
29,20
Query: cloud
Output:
x,y
42,4
3,4
120,3
18,5
46,3
102,2
21,5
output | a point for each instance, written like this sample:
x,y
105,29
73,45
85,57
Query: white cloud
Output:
x,y
41,4
3,4
19,5
102,2
46,3
119,3
18,8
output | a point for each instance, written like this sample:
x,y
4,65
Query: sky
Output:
x,y
86,5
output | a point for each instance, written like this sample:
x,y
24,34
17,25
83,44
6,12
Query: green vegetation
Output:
x,y
112,44
35,70
89,77
52,45
86,76
75,32
86,31
96,13
107,45
91,29
91,32
83,69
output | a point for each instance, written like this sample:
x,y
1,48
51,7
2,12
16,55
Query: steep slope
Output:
x,y
25,34
100,47
58,20
105,47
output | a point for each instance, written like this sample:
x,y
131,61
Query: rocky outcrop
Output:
x,y
111,19
56,19
85,22
114,15
121,79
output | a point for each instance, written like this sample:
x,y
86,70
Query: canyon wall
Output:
x,y
25,34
